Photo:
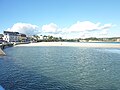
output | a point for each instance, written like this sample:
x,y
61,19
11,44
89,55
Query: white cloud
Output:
x,y
83,26
50,28
78,29
25,28
104,32
106,26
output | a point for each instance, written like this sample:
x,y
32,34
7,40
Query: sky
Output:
x,y
61,18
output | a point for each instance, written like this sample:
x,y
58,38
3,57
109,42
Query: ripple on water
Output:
x,y
60,68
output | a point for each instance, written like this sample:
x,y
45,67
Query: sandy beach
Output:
x,y
73,44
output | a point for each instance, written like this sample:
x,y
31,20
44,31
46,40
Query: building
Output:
x,y
10,36
83,41
22,37
41,37
1,38
45,37
118,40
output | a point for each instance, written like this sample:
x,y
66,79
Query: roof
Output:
x,y
11,33
1,35
22,35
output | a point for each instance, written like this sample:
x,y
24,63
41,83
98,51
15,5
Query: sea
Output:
x,y
60,68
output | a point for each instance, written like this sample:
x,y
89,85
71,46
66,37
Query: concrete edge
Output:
x,y
2,53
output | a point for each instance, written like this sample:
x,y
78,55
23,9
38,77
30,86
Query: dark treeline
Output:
x,y
60,39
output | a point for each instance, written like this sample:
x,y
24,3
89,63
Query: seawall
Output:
x,y
2,53
3,46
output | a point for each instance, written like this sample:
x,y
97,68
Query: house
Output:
x,y
1,38
118,40
83,41
45,37
10,36
22,37
41,37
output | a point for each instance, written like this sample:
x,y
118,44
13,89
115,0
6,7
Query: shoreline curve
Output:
x,y
73,44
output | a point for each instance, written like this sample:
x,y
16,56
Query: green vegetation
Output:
x,y
36,38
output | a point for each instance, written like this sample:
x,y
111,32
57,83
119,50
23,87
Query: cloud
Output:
x,y
106,26
25,28
50,28
88,26
78,29
104,32
83,26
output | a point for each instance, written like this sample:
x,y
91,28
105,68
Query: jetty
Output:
x,y
1,88
2,53
3,46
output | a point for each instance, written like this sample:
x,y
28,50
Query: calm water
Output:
x,y
60,68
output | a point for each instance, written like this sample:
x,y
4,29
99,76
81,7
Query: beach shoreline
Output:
x,y
73,44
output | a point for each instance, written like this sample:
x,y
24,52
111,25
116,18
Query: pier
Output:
x,y
2,53
3,46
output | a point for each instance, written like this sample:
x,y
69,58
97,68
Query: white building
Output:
x,y
118,40
10,36
41,37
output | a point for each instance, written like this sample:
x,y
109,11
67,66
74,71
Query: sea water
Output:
x,y
60,68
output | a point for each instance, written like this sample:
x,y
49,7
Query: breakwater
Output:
x,y
1,52
3,46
